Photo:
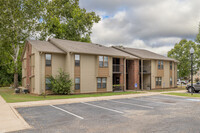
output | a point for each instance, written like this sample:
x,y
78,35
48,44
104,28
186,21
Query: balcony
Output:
x,y
146,69
117,68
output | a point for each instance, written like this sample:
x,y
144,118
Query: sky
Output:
x,y
155,25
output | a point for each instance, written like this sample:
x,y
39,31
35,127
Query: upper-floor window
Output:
x,y
101,83
170,65
48,59
158,81
103,61
77,83
77,60
170,80
160,64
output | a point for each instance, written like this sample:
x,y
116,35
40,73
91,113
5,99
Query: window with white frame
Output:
x,y
103,61
158,81
77,83
170,80
48,59
101,83
160,64
77,60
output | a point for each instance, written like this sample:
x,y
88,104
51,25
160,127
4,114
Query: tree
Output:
x,y
66,20
39,19
18,20
181,52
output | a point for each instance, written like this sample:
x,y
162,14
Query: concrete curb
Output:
x,y
77,100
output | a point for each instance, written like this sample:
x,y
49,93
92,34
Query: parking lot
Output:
x,y
157,113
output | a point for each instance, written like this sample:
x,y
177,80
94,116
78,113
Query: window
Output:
x,y
47,83
171,81
77,60
77,83
48,59
103,61
170,65
100,61
160,64
158,81
101,83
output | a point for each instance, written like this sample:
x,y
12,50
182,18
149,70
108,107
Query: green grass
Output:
x,y
184,94
10,97
163,90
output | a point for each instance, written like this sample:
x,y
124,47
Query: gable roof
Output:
x,y
45,46
88,48
144,54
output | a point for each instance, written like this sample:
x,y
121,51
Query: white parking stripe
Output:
x,y
103,108
152,101
67,112
132,104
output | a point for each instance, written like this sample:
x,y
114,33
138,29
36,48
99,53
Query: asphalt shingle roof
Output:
x,y
45,46
144,54
88,48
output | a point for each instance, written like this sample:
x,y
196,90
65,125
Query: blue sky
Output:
x,y
155,25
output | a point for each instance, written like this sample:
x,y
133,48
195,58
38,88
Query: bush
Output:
x,y
61,83
197,79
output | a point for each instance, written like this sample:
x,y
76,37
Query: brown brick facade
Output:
x,y
133,74
28,65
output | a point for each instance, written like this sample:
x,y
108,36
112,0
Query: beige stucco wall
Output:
x,y
88,73
166,76
58,62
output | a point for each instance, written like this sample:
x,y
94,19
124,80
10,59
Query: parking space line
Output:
x,y
67,112
153,101
132,104
103,108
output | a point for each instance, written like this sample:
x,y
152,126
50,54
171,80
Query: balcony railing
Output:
x,y
146,69
117,68
117,87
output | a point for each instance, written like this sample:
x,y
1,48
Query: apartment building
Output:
x,y
94,68
156,71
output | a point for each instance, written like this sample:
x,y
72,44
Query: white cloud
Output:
x,y
154,24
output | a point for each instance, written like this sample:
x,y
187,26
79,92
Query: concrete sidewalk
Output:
x,y
10,119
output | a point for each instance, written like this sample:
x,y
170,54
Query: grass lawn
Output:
x,y
184,94
163,90
10,97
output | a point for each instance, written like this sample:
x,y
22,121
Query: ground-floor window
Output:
x,y
77,83
158,81
47,83
171,81
101,83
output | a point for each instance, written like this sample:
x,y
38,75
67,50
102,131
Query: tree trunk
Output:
x,y
15,80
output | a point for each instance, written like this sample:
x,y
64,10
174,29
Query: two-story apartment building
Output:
x,y
156,71
93,67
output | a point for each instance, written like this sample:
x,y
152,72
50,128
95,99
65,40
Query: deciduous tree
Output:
x,y
181,52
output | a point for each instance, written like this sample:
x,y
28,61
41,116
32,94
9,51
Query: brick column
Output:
x,y
136,73
121,78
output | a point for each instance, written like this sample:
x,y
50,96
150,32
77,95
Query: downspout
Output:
x,y
142,83
124,74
